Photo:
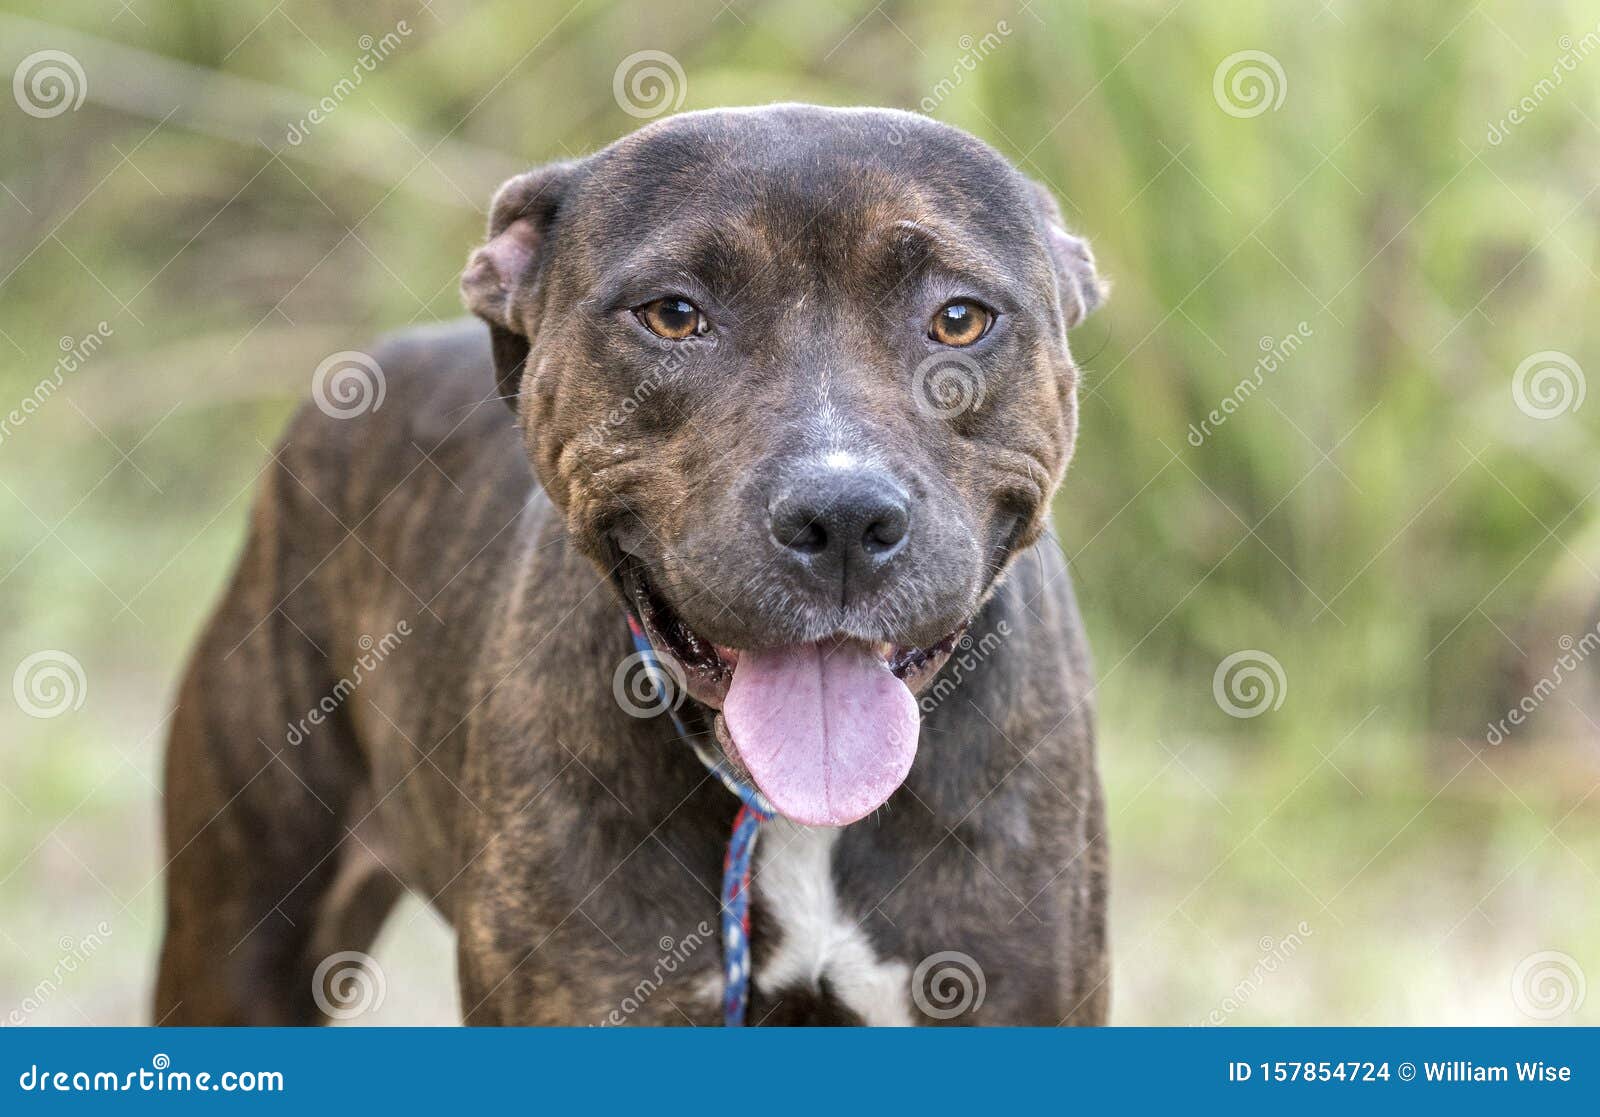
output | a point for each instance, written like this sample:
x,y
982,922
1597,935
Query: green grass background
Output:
x,y
1381,518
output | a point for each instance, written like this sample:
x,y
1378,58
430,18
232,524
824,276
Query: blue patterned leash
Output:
x,y
736,863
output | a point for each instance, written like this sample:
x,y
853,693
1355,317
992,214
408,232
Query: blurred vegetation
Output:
x,y
1381,517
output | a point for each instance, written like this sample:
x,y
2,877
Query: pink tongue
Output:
x,y
827,730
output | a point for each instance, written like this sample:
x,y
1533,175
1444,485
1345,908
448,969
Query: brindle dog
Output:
x,y
790,386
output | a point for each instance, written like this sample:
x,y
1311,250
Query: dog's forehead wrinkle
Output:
x,y
787,171
913,229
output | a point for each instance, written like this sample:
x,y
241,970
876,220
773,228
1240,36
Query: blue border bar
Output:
x,y
818,1073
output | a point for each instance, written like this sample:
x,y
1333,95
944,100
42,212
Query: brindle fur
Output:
x,y
485,763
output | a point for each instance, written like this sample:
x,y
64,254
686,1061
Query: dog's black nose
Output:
x,y
843,525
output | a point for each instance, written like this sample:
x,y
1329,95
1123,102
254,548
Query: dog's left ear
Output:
x,y
501,277
1079,285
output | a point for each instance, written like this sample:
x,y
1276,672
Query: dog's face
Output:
x,y
799,380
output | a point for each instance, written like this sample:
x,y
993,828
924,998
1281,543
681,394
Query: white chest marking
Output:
x,y
816,939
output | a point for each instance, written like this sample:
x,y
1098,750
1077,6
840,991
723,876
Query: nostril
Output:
x,y
808,537
885,533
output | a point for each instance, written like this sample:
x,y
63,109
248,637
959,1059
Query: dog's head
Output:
x,y
799,380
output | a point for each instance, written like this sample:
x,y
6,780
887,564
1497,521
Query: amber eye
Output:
x,y
672,318
960,323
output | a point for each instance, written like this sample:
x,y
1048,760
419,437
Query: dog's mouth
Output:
x,y
826,729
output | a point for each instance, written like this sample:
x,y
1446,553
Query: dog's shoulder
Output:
x,y
406,382
417,395
440,382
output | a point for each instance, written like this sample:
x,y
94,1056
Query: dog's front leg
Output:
x,y
523,966
510,970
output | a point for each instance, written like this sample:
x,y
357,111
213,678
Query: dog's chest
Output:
x,y
821,947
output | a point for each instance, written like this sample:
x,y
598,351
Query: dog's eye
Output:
x,y
960,323
672,318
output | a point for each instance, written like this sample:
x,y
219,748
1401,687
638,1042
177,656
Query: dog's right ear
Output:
x,y
501,276
1078,283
